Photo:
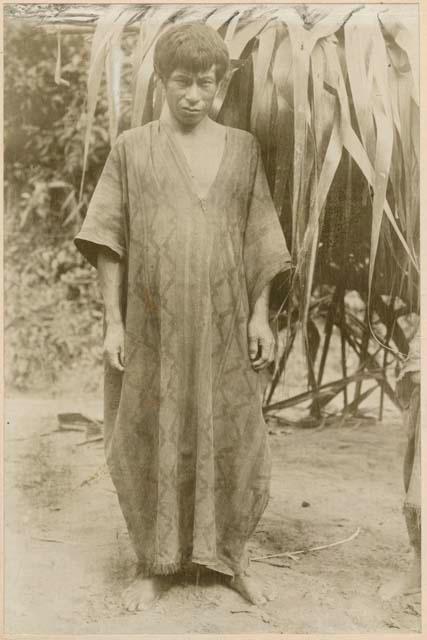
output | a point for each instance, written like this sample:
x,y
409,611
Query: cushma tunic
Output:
x,y
186,444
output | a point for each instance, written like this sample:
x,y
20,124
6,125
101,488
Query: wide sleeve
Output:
x,y
265,252
104,223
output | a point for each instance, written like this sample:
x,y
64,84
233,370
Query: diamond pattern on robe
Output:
x,y
186,443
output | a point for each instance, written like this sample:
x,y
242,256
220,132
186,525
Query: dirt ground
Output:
x,y
68,554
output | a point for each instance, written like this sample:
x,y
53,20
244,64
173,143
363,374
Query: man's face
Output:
x,y
190,95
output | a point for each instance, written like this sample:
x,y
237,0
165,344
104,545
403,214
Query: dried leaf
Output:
x,y
113,67
108,28
151,27
58,78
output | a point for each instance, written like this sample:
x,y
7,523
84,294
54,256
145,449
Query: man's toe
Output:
x,y
270,595
129,601
131,604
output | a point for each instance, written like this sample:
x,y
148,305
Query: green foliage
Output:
x,y
53,308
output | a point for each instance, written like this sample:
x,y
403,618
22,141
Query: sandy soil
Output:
x,y
68,553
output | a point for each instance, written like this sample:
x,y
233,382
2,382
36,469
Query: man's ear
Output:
x,y
158,78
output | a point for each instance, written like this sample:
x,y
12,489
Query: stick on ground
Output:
x,y
289,554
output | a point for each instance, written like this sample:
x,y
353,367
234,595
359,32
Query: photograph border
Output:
x,y
423,297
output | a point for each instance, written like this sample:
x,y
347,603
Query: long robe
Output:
x,y
186,443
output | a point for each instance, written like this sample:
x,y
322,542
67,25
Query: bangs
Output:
x,y
194,47
193,60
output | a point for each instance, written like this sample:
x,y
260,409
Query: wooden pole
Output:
x,y
364,347
387,342
330,321
343,331
77,29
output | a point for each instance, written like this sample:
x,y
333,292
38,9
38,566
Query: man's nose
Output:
x,y
192,93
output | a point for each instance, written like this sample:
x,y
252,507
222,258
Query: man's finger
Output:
x,y
258,363
264,356
114,361
253,347
122,356
261,366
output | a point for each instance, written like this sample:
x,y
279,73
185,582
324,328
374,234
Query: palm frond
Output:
x,y
339,91
108,30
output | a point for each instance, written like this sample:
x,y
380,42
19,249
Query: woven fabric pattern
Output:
x,y
185,439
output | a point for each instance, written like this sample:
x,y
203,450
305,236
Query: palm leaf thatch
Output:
x,y
334,103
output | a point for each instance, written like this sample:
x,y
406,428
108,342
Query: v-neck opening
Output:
x,y
185,166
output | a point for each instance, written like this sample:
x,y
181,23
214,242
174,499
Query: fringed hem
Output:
x,y
161,568
190,565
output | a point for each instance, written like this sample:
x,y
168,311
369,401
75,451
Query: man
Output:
x,y
186,240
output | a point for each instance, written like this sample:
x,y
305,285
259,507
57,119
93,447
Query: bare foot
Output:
x,y
406,585
251,589
143,592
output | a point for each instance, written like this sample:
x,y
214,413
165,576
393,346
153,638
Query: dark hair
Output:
x,y
193,46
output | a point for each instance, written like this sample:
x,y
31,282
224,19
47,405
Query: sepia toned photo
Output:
x,y
212,319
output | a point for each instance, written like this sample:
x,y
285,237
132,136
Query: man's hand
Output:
x,y
261,343
114,346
